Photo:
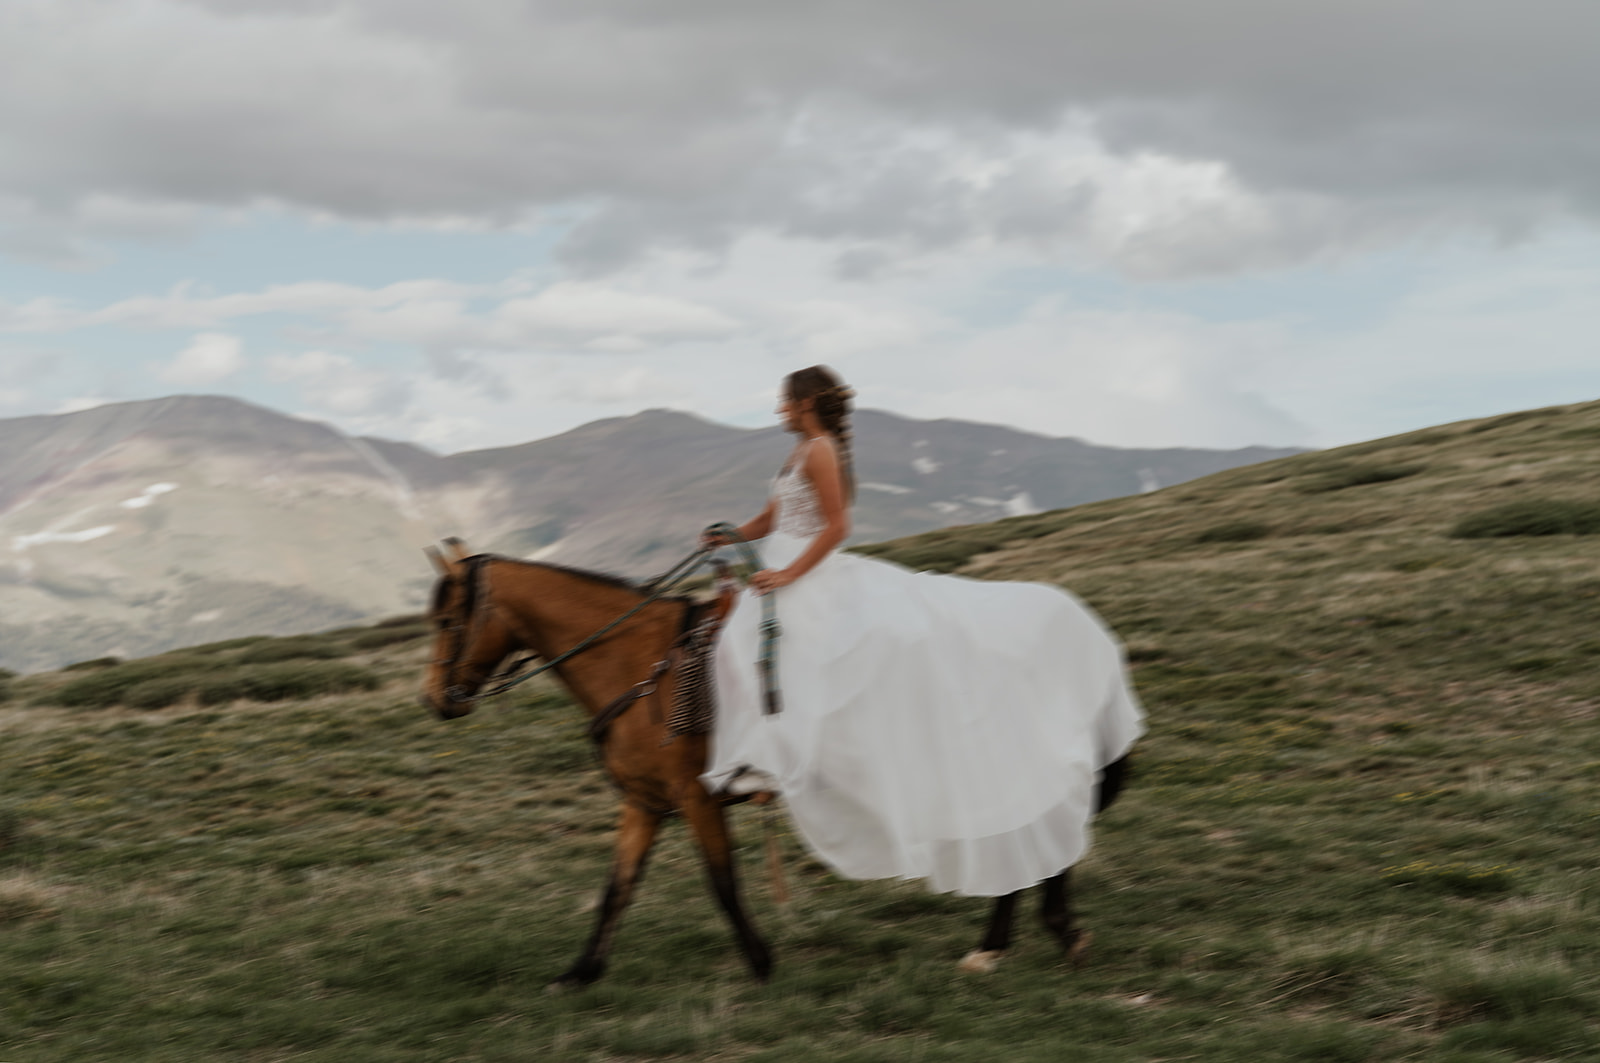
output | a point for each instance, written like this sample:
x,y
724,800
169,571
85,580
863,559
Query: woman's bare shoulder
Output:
x,y
820,449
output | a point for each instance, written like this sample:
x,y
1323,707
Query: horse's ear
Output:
x,y
438,560
457,550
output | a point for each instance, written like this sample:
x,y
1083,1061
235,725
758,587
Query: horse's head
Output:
x,y
470,637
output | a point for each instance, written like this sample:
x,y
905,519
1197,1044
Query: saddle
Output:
x,y
694,697
694,700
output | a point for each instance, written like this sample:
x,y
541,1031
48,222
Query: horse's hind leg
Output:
x,y
996,939
710,826
1113,777
1056,912
635,835
1056,908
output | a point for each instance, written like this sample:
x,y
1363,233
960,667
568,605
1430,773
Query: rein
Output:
x,y
654,590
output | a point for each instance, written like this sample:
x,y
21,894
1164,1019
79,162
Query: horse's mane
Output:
x,y
605,578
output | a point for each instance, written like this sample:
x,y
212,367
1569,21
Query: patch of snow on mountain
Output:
x,y
20,543
924,465
892,489
1148,481
147,496
1021,505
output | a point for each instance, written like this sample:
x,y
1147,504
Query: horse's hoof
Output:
x,y
1078,951
577,976
760,958
981,961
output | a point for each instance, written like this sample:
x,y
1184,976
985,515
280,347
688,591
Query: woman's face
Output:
x,y
788,411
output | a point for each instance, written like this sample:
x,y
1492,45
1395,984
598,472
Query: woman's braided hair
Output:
x,y
831,402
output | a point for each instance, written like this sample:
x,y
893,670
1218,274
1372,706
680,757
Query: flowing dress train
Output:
x,y
933,726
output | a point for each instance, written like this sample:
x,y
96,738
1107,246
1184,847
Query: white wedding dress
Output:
x,y
932,726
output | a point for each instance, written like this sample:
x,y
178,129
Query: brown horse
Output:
x,y
489,607
486,608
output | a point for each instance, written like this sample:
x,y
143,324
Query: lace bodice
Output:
x,y
798,512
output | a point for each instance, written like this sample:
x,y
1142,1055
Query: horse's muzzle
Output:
x,y
448,707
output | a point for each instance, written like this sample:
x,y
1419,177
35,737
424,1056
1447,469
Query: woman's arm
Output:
x,y
821,467
757,527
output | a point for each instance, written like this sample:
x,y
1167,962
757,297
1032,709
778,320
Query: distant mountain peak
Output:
x,y
127,521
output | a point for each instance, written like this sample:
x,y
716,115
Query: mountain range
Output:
x,y
136,527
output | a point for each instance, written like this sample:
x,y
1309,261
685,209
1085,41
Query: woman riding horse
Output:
x,y
932,726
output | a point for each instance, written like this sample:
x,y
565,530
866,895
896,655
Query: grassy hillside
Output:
x,y
1364,825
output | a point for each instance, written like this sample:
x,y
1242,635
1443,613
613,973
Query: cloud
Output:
x,y
184,308
599,318
210,357
1122,378
1163,137
440,317
337,384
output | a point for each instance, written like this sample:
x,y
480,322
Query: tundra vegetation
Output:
x,y
1364,825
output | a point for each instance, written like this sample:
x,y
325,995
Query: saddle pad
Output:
x,y
694,698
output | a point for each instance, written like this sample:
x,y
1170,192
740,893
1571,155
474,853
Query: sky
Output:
x,y
1206,223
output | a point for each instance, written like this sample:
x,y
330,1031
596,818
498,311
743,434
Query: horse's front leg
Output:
x,y
996,939
710,825
635,835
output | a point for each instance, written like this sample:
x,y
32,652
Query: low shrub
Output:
x,y
1509,991
298,647
381,636
942,551
1542,516
157,682
10,827
1457,879
283,681
1504,420
1339,477
228,644
950,548
1234,531
110,685
92,665
158,693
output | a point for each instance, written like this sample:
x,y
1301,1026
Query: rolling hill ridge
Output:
x,y
132,528
1361,827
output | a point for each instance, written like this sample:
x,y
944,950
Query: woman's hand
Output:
x,y
710,538
767,580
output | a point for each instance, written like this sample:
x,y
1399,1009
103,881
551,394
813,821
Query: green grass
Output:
x,y
1363,826
253,669
1543,516
1337,476
1234,531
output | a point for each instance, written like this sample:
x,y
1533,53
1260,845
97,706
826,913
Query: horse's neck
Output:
x,y
552,611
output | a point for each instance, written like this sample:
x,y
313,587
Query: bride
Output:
x,y
932,726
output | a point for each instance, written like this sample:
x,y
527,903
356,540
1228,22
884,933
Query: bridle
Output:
x,y
463,628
